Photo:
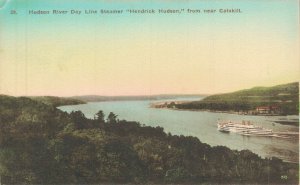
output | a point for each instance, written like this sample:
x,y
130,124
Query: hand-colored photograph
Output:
x,y
149,92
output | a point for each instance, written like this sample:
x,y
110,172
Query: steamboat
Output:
x,y
244,128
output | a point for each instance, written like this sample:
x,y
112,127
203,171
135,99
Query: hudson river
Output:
x,y
202,125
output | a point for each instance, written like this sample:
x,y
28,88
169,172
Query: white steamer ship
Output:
x,y
244,128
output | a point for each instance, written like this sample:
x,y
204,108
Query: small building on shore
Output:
x,y
274,109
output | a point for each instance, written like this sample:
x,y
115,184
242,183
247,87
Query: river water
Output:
x,y
202,125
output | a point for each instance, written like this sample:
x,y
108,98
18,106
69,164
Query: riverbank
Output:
x,y
164,105
202,125
171,106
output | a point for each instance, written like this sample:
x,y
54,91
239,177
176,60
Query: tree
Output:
x,y
99,116
79,119
112,118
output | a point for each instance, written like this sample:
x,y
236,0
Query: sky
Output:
x,y
147,54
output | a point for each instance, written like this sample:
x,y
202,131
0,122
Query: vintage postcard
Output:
x,y
149,92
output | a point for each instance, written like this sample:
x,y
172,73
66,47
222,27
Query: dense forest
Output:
x,y
40,144
285,96
57,101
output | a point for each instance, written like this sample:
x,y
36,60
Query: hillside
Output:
x,y
285,96
279,93
43,145
57,101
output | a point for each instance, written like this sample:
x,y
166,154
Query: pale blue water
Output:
x,y
199,124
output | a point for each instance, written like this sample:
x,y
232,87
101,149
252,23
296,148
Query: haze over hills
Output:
x,y
74,100
95,98
286,96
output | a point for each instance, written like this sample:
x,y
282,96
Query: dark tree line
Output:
x,y
222,105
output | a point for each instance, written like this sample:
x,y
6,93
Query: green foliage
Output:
x,y
112,118
285,96
176,175
100,116
41,145
57,101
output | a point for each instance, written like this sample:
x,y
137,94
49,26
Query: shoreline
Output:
x,y
160,106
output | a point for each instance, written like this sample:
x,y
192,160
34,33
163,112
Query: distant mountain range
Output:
x,y
285,96
96,98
